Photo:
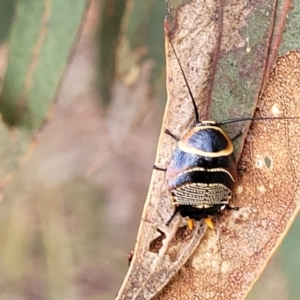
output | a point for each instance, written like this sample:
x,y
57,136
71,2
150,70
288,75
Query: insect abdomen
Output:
x,y
202,187
201,195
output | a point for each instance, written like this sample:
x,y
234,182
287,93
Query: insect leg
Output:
x,y
176,138
173,215
242,169
159,169
237,135
232,207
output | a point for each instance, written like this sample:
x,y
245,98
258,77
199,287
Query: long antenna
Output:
x,y
190,92
254,119
225,121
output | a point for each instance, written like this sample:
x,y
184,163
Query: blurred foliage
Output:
x,y
52,238
111,14
130,32
6,16
35,254
37,58
56,236
289,257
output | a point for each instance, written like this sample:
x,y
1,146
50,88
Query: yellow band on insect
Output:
x,y
183,144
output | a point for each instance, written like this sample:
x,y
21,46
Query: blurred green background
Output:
x,y
81,112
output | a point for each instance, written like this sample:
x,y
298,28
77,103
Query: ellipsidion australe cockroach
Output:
x,y
203,170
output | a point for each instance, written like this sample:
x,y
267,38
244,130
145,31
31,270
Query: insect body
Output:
x,y
202,172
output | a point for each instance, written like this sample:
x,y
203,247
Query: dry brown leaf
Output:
x,y
230,258
226,260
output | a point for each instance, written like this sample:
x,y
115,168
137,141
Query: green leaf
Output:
x,y
42,36
290,39
138,30
111,19
6,14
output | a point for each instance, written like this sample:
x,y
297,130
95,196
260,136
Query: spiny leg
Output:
x,y
242,169
173,215
159,169
176,138
232,207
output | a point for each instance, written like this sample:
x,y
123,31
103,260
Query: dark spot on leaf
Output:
x,y
156,244
268,162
